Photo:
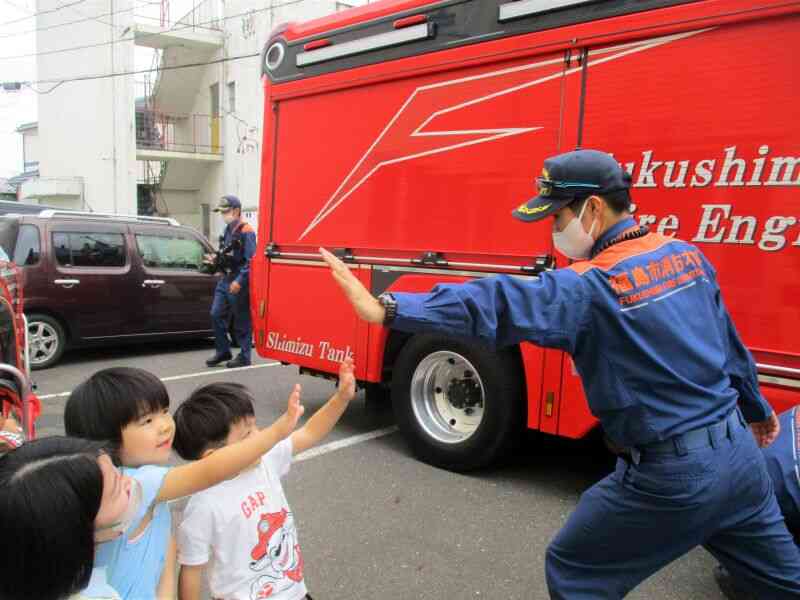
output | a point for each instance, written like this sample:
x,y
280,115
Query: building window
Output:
x,y
232,97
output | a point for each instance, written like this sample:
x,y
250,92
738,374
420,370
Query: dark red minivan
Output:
x,y
101,279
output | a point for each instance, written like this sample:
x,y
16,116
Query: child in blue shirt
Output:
x,y
131,408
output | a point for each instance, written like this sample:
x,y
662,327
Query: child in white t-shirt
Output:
x,y
242,531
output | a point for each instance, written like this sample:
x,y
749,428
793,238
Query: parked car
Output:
x,y
95,279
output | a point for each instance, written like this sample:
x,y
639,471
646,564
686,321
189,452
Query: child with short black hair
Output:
x,y
204,421
242,531
130,407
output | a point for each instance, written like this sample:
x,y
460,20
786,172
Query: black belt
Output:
x,y
696,439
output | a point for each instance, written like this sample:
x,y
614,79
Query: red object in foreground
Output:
x,y
405,150
18,400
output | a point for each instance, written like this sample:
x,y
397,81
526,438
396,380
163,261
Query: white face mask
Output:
x,y
573,242
125,520
228,217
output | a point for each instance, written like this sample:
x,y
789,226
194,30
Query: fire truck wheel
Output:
x,y
459,404
47,341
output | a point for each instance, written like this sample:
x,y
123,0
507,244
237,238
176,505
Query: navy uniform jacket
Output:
x,y
643,320
243,253
783,464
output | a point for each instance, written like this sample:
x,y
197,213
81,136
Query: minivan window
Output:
x,y
89,249
8,235
28,247
166,252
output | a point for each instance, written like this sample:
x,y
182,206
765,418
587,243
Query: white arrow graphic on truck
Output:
x,y
401,128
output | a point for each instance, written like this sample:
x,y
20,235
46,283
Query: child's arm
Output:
x,y
228,461
166,585
190,582
321,423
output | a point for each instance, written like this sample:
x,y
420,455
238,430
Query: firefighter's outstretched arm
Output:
x,y
550,311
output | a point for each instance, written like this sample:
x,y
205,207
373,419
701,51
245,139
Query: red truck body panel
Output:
x,y
410,160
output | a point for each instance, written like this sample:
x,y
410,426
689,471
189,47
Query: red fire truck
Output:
x,y
403,133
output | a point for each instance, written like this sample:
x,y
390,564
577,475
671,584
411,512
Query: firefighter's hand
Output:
x,y
767,431
366,305
235,288
208,259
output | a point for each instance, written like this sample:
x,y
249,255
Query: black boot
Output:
x,y
218,358
729,586
239,361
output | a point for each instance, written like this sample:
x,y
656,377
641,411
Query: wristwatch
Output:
x,y
389,303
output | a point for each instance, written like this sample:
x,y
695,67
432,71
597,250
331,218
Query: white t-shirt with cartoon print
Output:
x,y
244,529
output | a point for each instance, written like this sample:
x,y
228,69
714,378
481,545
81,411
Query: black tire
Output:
x,y
43,355
503,407
377,397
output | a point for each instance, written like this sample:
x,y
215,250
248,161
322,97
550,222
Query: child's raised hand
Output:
x,y
347,379
294,410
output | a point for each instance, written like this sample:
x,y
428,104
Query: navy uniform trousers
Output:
x,y
716,494
238,305
666,373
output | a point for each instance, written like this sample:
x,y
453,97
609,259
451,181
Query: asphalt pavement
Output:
x,y
374,522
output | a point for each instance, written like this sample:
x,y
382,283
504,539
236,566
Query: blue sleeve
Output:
x,y
739,364
502,311
151,478
249,244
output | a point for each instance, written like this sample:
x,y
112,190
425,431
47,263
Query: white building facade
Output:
x,y
195,133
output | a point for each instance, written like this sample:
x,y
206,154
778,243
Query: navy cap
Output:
x,y
571,176
227,203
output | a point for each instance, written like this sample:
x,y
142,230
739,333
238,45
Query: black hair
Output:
x,y
205,419
103,405
50,494
618,201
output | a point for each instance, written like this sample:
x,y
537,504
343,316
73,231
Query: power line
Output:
x,y
59,82
106,43
56,9
146,35
126,10
17,6
41,12
57,25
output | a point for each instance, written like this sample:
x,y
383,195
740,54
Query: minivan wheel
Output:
x,y
458,404
46,341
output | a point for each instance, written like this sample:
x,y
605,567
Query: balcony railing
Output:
x,y
178,133
204,15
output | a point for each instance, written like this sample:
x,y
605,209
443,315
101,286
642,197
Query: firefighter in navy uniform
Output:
x,y
783,466
232,294
664,371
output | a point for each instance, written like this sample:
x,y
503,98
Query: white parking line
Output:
x,y
187,376
339,444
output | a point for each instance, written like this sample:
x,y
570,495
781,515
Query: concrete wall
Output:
x,y
183,206
86,128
